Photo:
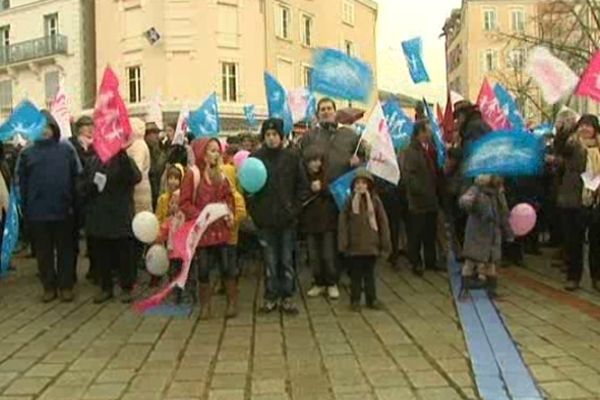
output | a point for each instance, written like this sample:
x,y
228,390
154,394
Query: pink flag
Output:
x,y
185,241
490,108
382,160
60,111
552,75
111,120
589,85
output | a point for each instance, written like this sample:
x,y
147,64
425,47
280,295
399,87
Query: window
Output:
x,y
5,98
50,86
518,20
489,20
516,58
491,60
306,30
349,48
306,75
285,72
5,36
4,5
348,12
229,81
227,34
51,25
134,78
284,18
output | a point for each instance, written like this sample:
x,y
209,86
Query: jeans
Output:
x,y
322,253
362,275
222,256
280,275
55,252
113,254
422,233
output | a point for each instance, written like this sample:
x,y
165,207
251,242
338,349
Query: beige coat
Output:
x,y
140,154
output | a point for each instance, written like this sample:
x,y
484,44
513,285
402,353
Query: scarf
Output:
x,y
592,166
370,209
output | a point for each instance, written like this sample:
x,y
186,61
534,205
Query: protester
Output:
x,y
203,185
469,122
106,190
422,180
318,221
47,173
275,210
164,206
139,152
363,236
487,225
157,160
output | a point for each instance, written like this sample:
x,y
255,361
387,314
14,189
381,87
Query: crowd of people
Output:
x,y
66,190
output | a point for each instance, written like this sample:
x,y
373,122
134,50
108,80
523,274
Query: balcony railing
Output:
x,y
33,49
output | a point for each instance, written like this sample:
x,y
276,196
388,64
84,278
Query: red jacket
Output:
x,y
206,193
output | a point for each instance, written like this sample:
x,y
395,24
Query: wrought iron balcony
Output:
x,y
33,49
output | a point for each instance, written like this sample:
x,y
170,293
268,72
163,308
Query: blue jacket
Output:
x,y
47,171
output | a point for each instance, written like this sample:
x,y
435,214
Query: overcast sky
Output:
x,y
399,20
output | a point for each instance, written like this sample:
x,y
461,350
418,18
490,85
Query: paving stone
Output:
x,y
381,379
186,389
545,373
426,379
395,393
78,378
268,386
62,393
115,376
226,395
231,367
411,364
149,383
191,374
23,386
17,364
45,370
228,381
564,390
6,378
438,394
106,391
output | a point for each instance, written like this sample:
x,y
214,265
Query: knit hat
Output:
x,y
362,173
272,123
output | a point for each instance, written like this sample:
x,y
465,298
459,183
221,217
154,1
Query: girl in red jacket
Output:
x,y
202,185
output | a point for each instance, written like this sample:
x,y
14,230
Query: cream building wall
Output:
x,y
32,64
198,37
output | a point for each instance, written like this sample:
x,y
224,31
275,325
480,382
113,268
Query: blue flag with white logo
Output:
x,y
336,74
10,236
437,136
509,106
413,51
399,124
506,153
204,122
26,120
277,102
311,109
250,114
341,188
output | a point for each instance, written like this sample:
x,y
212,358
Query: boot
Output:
x,y
492,285
204,293
231,289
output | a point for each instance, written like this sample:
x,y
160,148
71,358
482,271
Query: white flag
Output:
x,y
182,125
154,111
60,111
455,97
553,76
382,159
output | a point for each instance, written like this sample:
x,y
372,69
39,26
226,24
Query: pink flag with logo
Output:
x,y
60,111
589,85
111,120
490,108
552,75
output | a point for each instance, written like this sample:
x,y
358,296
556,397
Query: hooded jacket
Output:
x,y
195,198
47,172
139,152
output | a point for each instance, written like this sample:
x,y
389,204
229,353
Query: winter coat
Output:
x,y
571,159
356,237
139,152
47,177
198,192
162,207
473,129
278,204
486,224
319,213
108,214
338,145
239,213
421,180
157,164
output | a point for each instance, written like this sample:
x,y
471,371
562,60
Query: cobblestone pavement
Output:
x,y
413,350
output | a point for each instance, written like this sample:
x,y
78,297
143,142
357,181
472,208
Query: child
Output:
x,y
363,236
203,185
486,224
164,206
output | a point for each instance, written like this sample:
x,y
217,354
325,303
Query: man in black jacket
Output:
x,y
275,210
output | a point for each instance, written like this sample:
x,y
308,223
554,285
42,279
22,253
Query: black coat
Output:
x,y
108,214
421,181
320,213
278,204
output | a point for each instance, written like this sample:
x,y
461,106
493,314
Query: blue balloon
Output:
x,y
252,175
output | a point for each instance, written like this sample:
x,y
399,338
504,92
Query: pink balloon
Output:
x,y
522,219
240,157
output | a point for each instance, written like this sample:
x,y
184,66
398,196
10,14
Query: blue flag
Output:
x,y
505,153
204,122
10,236
437,136
277,102
311,110
509,106
250,116
336,74
27,120
544,129
341,188
399,124
413,51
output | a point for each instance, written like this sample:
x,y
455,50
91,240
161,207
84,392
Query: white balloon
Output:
x,y
145,227
157,260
